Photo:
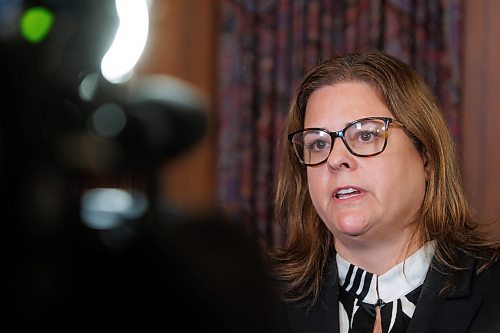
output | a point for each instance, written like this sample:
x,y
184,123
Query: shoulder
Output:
x,y
480,285
458,298
485,286
482,277
472,278
487,281
321,314
465,282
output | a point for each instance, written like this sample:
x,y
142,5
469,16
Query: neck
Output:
x,y
377,257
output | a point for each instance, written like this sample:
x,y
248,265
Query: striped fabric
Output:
x,y
396,293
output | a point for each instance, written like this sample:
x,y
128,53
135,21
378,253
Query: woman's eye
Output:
x,y
366,136
317,145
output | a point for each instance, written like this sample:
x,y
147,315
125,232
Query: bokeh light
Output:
x,y
36,23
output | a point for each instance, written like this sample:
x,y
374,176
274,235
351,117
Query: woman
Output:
x,y
380,236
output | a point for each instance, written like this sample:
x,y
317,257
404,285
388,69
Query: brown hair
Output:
x,y
444,215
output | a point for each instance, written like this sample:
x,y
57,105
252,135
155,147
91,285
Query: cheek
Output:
x,y
405,185
316,185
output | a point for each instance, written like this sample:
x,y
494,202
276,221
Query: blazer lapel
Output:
x,y
449,312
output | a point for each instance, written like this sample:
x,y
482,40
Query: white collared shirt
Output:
x,y
363,290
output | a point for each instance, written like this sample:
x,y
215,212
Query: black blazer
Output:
x,y
472,307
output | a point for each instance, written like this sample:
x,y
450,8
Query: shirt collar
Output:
x,y
393,284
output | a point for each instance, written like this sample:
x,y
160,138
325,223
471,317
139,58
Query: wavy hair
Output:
x,y
444,215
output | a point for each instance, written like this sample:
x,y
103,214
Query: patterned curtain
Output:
x,y
266,46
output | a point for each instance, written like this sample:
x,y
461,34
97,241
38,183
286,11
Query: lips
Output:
x,y
348,192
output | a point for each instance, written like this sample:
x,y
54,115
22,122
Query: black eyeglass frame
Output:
x,y
341,134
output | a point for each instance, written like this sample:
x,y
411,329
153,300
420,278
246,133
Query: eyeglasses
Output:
x,y
363,137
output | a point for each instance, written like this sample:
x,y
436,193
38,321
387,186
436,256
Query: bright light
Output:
x,y
130,39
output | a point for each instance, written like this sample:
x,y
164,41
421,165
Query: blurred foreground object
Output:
x,y
114,257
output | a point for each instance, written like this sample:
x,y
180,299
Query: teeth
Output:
x,y
346,191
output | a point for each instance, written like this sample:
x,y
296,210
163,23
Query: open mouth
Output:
x,y
347,193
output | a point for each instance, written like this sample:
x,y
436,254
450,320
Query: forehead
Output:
x,y
332,107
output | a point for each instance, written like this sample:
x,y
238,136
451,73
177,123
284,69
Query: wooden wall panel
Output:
x,y
481,106
182,42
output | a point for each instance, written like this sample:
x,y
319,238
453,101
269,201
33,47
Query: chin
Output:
x,y
349,227
351,233
354,234
343,231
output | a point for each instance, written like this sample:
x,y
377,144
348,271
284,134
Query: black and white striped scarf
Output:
x,y
396,292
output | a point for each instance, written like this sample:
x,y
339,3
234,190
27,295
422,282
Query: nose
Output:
x,y
340,157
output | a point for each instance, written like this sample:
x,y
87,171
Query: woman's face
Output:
x,y
379,195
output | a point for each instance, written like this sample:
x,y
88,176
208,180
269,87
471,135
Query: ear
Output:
x,y
427,166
